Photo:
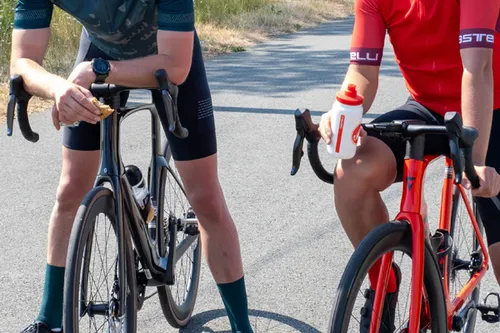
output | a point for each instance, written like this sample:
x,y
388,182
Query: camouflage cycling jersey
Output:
x,y
123,29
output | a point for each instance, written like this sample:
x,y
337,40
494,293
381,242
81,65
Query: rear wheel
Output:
x,y
178,300
389,237
92,276
465,256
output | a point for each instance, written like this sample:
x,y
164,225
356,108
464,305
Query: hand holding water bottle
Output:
x,y
341,126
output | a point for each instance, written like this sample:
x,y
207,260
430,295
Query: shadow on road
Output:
x,y
290,64
199,321
275,111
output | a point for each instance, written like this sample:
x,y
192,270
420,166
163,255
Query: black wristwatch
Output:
x,y
101,69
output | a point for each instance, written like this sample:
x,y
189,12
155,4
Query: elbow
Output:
x,y
179,75
15,66
477,62
177,68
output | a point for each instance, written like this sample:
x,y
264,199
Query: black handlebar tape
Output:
x,y
297,153
21,98
318,168
307,129
10,114
24,123
470,171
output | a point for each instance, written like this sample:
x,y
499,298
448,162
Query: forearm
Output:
x,y
141,72
37,81
477,109
366,80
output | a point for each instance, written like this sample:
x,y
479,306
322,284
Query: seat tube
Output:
x,y
445,217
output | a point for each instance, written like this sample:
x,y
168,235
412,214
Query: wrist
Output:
x,y
478,159
100,68
55,83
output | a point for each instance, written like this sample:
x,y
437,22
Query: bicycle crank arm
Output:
x,y
460,318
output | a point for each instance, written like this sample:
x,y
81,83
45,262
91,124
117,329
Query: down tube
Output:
x,y
122,244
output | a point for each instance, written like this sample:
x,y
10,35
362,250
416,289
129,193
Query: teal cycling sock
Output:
x,y
234,296
230,315
52,301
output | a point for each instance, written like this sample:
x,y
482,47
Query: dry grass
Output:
x,y
220,30
284,16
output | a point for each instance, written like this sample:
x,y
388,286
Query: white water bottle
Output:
x,y
346,116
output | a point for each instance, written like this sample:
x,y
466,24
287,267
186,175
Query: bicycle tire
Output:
x,y
177,315
470,323
99,200
383,239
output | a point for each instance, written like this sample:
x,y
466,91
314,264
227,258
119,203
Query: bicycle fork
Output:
x,y
409,212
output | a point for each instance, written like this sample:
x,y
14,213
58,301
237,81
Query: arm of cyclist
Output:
x,y
477,28
175,40
365,57
30,38
175,51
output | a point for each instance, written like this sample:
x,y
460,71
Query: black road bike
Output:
x,y
164,254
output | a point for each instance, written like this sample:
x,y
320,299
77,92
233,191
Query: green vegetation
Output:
x,y
66,30
217,11
223,26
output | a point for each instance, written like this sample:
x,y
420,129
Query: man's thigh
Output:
x,y
411,110
195,113
489,213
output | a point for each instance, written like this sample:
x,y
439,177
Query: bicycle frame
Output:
x,y
445,223
415,166
111,170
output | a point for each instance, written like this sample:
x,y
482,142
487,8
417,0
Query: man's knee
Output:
x,y
372,168
77,176
70,194
494,252
207,202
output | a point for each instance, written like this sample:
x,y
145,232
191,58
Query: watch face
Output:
x,y
101,66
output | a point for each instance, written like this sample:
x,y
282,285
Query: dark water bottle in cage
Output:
x,y
141,194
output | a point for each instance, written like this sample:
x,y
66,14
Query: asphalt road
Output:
x,y
293,246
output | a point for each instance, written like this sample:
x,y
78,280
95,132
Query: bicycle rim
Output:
x,y
177,300
90,288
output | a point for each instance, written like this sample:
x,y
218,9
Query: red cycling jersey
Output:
x,y
427,36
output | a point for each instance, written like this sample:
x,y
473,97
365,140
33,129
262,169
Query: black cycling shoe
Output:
x,y
389,312
38,327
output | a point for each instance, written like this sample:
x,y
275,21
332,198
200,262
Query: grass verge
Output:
x,y
224,26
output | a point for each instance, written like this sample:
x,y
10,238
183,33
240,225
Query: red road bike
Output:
x,y
436,305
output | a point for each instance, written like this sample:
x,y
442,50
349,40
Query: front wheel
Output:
x,y
390,237
92,278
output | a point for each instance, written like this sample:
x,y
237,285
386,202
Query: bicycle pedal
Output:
x,y
191,226
490,313
191,223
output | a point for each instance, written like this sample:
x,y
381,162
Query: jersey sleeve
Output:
x,y
33,14
368,35
478,21
176,15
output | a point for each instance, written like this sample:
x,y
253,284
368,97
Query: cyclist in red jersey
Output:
x,y
448,56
